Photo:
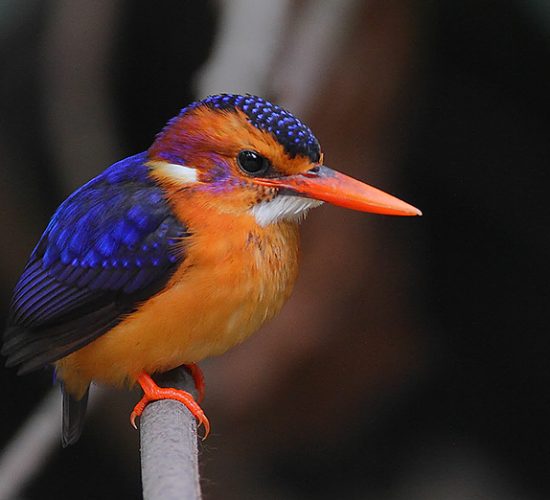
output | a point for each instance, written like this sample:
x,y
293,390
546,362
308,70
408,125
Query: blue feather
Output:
x,y
115,235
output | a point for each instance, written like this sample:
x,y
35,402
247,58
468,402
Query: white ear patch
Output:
x,y
282,207
175,172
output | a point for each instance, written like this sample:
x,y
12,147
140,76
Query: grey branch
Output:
x,y
169,455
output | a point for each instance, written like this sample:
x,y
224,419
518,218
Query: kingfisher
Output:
x,y
175,254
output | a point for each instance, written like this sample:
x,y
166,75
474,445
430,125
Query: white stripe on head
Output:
x,y
282,207
174,172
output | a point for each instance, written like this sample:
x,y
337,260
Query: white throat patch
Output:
x,y
282,207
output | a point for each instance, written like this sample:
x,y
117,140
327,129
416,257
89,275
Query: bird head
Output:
x,y
242,154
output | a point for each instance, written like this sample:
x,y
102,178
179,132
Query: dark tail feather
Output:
x,y
74,411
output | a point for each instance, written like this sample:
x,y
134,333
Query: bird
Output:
x,y
175,254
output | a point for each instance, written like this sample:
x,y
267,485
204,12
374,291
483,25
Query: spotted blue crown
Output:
x,y
294,135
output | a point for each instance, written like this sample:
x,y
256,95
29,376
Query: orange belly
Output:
x,y
234,277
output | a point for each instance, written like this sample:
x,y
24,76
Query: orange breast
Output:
x,y
235,276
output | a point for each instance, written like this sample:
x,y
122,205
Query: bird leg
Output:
x,y
198,379
152,392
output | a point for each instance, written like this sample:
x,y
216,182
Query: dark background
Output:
x,y
411,361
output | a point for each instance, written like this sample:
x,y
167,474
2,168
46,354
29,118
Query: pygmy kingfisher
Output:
x,y
175,254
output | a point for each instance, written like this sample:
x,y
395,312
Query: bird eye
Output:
x,y
252,162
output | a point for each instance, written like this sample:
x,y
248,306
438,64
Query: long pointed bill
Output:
x,y
338,189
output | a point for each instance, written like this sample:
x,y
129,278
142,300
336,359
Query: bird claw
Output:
x,y
133,417
152,392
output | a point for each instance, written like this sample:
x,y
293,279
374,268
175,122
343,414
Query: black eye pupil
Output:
x,y
252,162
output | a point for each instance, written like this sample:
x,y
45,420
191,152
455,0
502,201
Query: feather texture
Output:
x,y
74,411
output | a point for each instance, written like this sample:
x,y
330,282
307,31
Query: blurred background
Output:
x,y
411,361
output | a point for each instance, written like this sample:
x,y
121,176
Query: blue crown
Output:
x,y
295,136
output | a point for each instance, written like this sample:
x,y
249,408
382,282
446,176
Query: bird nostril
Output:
x,y
314,171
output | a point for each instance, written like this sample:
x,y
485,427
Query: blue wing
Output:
x,y
112,244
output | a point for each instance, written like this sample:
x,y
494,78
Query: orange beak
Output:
x,y
324,184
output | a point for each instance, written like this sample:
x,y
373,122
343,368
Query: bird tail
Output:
x,y
74,411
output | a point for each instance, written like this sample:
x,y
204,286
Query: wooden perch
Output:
x,y
169,454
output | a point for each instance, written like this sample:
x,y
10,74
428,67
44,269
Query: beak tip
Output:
x,y
404,209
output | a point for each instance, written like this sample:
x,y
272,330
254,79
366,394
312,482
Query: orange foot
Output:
x,y
152,392
198,378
